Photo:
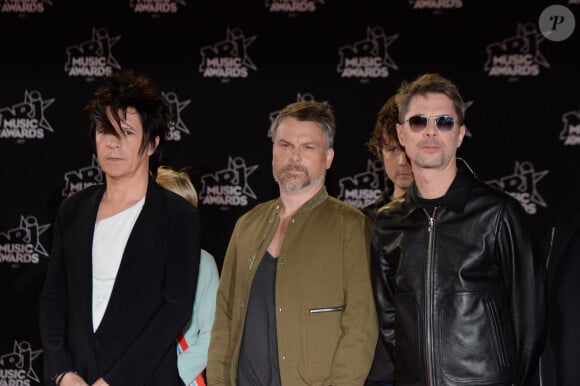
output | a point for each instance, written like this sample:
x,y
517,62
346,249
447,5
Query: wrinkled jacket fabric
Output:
x,y
459,291
381,371
323,266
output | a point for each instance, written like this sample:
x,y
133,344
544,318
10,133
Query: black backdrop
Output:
x,y
228,66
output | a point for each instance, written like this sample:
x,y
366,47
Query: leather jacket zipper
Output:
x,y
429,347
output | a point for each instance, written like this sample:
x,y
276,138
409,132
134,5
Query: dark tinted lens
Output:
x,y
445,122
418,122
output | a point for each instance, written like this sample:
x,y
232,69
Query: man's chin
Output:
x,y
293,187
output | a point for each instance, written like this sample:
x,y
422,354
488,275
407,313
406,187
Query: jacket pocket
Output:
x,y
471,349
497,333
325,309
322,332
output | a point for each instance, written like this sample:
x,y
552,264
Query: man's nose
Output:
x,y
113,141
431,128
402,158
295,153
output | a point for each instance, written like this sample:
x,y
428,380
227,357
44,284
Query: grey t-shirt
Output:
x,y
258,363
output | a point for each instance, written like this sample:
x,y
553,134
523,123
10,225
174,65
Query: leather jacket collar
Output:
x,y
458,193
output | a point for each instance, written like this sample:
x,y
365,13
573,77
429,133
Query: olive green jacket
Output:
x,y
326,318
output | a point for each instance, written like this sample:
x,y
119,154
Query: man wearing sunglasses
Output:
x,y
457,282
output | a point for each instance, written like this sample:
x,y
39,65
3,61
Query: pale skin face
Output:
x,y
431,149
119,156
299,156
396,165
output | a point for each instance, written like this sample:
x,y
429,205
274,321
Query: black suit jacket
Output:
x,y
151,301
562,247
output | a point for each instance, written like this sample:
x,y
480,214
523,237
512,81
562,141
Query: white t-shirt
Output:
x,y
109,240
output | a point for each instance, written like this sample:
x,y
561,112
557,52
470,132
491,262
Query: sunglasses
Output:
x,y
418,123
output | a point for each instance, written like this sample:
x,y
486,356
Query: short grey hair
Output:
x,y
312,111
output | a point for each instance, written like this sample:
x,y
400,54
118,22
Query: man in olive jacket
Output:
x,y
295,303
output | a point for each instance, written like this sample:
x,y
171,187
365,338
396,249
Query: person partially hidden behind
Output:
x,y
458,282
193,343
385,145
558,364
295,303
124,262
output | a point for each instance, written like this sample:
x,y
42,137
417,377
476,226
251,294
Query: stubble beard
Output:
x,y
429,162
288,179
434,160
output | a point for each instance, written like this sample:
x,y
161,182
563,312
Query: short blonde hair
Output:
x,y
178,182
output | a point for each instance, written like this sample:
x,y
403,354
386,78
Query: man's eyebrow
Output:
x,y
124,124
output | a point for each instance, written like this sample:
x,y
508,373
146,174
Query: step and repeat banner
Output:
x,y
227,68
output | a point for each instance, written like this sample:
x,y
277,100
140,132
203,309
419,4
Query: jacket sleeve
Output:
x,y
220,347
194,359
523,275
356,347
53,309
382,275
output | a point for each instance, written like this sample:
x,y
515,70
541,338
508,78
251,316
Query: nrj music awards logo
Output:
x,y
94,57
178,127
363,188
24,7
292,6
227,58
229,186
16,367
570,134
518,55
156,6
25,120
22,245
436,4
77,180
367,58
522,185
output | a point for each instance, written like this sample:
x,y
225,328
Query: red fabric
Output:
x,y
199,381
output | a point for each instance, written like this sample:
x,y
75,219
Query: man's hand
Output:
x,y
100,382
72,379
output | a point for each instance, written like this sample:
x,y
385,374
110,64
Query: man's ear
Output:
x,y
153,147
329,157
461,135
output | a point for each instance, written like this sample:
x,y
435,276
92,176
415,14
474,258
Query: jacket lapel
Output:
x,y
87,216
139,247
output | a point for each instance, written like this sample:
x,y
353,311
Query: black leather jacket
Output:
x,y
459,292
